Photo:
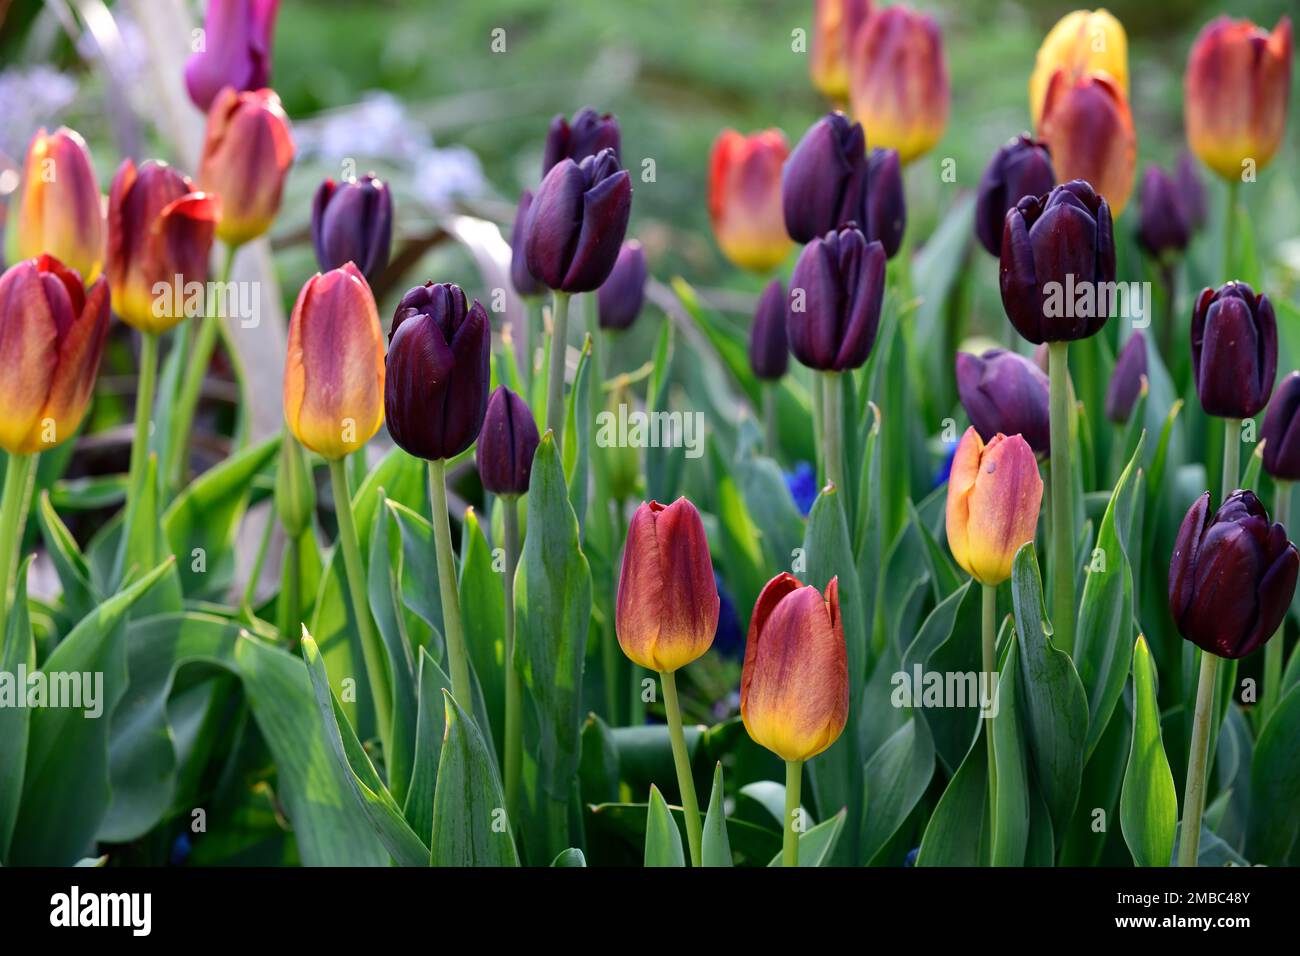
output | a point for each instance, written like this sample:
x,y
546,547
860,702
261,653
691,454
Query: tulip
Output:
x,y
588,134
1163,227
769,349
824,184
1235,94
334,370
437,385
836,293
506,444
1234,350
1004,392
352,221
159,227
247,151
886,205
1082,43
1128,380
1088,127
62,214
520,277
620,297
235,51
1191,190
835,24
898,84
1281,431
1023,167
745,198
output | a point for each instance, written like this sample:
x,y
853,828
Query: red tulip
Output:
x,y
745,198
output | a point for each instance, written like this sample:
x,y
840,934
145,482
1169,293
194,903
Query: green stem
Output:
x,y
291,591
453,631
819,429
685,782
514,717
1230,231
1273,649
13,524
144,406
990,650
1231,458
1063,608
371,649
555,376
1194,792
790,836
771,433
833,429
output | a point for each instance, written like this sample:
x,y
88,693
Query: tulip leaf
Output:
x,y
943,575
767,499
430,729
817,844
1275,785
577,433
142,545
1010,835
751,842
570,858
419,567
1148,803
663,467
944,642
1088,833
79,594
663,840
897,776
957,832
483,601
738,537
17,650
716,849
469,818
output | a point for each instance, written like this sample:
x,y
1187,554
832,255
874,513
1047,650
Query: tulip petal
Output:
x,y
28,354
607,206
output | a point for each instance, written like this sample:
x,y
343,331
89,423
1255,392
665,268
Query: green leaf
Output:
x,y
1010,835
661,469
897,776
715,849
18,650
957,832
570,857
142,546
1275,785
430,728
1148,803
818,844
577,434
751,842
79,594
945,642
483,597
943,575
663,841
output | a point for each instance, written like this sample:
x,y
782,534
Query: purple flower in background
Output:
x,y
802,482
235,49
352,221
587,135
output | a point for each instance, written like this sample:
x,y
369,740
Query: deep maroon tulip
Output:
x,y
436,390
1126,380
886,206
588,134
507,444
1234,350
1005,392
1231,577
823,186
1163,229
236,49
352,221
520,277
835,297
1052,247
1022,167
1191,189
1281,431
769,347
577,223
619,300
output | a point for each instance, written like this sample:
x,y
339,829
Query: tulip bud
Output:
x,y
588,134
1082,43
334,369
1235,94
437,389
236,49
667,608
620,297
1005,392
1163,229
1234,350
1281,431
794,685
506,444
994,493
159,228
899,82
577,222
62,214
52,332
1023,167
835,24
836,293
1192,190
352,221
769,348
520,277
1089,129
247,151
295,491
824,183
1052,247
886,206
1231,577
1128,380
745,198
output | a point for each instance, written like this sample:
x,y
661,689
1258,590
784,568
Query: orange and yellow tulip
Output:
x,y
1089,130
334,370
994,493
1082,43
745,198
247,152
835,24
62,212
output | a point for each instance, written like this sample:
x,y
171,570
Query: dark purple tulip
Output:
x,y
353,222
520,277
577,223
619,300
436,388
588,134
769,348
1053,246
1191,189
1231,577
1163,229
835,297
1022,167
1126,380
507,444
1005,392
823,185
236,49
1281,431
1234,350
886,206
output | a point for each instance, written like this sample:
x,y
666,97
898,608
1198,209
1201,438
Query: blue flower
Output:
x,y
802,483
181,849
946,466
910,859
729,639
